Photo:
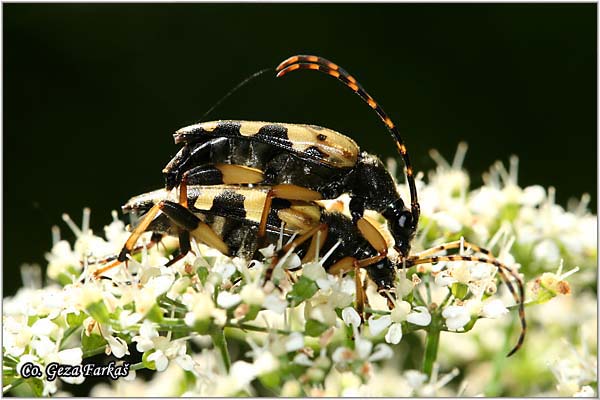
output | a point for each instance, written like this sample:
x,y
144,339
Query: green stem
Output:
x,y
137,366
431,345
218,337
248,327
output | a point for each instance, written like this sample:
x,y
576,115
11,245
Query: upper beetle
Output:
x,y
316,158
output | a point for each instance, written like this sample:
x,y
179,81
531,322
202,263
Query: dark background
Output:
x,y
92,93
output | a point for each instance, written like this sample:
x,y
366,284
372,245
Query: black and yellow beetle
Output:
x,y
228,218
299,163
312,157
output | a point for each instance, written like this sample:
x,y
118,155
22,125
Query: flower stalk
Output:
x,y
432,343
218,337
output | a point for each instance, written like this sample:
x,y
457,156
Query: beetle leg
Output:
x,y
503,270
348,264
186,220
361,295
448,246
137,232
184,247
373,236
286,192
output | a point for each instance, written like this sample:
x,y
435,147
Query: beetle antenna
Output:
x,y
321,64
235,89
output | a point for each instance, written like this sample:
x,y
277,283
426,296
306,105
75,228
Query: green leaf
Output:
x,y
91,342
36,385
74,320
303,289
99,312
314,327
148,364
271,379
155,314
459,290
252,313
202,274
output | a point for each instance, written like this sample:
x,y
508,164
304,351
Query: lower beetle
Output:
x,y
229,218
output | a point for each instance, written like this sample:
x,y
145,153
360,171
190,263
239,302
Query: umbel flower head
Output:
x,y
208,326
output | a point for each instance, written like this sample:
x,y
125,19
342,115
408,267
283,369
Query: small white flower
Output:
x,y
586,391
350,317
275,303
43,327
456,317
145,340
314,271
378,325
493,309
160,360
117,346
252,294
547,250
533,195
302,359
228,300
420,316
294,342
394,334
444,279
70,356
400,311
381,352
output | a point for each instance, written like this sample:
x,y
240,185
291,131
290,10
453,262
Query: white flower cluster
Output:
x,y
300,334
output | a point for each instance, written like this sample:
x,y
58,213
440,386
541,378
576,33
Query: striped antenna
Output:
x,y
321,64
